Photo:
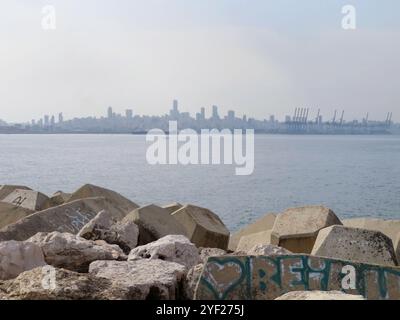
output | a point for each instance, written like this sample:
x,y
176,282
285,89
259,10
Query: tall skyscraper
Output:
x,y
129,114
231,115
60,118
215,115
203,113
52,121
46,120
109,113
174,113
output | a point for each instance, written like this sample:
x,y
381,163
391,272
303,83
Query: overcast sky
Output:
x,y
257,57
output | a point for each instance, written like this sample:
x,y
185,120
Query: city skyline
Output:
x,y
213,113
301,121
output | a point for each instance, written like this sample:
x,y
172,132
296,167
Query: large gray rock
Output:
x,y
106,227
205,253
50,283
28,199
354,244
319,295
154,223
68,251
174,248
191,280
17,257
203,227
145,279
297,228
10,214
69,217
90,191
6,189
262,224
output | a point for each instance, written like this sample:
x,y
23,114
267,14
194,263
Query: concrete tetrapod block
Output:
x,y
28,199
203,227
172,207
248,242
389,227
265,223
6,189
154,223
297,228
69,217
90,191
360,245
10,214
57,199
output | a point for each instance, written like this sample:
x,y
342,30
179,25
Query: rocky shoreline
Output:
x,y
97,244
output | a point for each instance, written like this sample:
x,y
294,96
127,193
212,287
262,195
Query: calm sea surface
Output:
x,y
353,175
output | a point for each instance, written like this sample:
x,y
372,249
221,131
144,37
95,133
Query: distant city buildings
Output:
x,y
300,122
129,113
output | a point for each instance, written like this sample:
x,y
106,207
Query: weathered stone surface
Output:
x,y
174,248
90,191
171,208
265,223
105,227
248,242
50,283
57,199
6,189
354,244
102,221
205,253
269,277
17,257
144,278
69,217
319,295
191,280
68,251
203,227
389,227
10,214
297,228
267,250
28,199
154,223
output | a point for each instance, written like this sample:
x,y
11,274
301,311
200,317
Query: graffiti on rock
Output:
x,y
268,277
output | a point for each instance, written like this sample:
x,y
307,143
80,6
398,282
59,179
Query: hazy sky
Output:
x,y
257,57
